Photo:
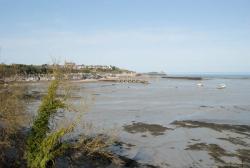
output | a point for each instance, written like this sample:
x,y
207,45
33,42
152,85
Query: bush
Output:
x,y
41,147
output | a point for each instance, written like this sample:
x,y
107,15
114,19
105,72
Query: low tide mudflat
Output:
x,y
169,122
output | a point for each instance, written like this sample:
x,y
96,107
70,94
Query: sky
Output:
x,y
174,36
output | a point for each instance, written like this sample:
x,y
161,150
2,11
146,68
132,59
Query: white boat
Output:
x,y
200,84
221,86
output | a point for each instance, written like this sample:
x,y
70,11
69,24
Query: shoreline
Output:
x,y
116,80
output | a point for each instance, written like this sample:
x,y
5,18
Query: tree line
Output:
x,y
22,69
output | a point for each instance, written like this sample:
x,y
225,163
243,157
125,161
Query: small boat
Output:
x,y
200,84
221,86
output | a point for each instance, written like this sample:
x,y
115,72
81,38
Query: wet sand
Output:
x,y
172,123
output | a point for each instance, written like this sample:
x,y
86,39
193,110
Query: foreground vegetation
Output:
x,y
13,118
39,146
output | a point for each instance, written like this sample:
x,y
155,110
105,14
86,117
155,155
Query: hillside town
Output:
x,y
71,71
82,66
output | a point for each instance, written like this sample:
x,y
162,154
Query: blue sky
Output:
x,y
143,35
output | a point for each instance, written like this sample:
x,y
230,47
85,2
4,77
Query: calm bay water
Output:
x,y
164,101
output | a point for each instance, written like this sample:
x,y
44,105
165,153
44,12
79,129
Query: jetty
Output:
x,y
183,77
129,80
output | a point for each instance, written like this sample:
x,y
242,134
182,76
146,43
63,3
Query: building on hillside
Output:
x,y
81,66
73,65
70,65
94,66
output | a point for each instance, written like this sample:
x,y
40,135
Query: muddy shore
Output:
x,y
170,123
